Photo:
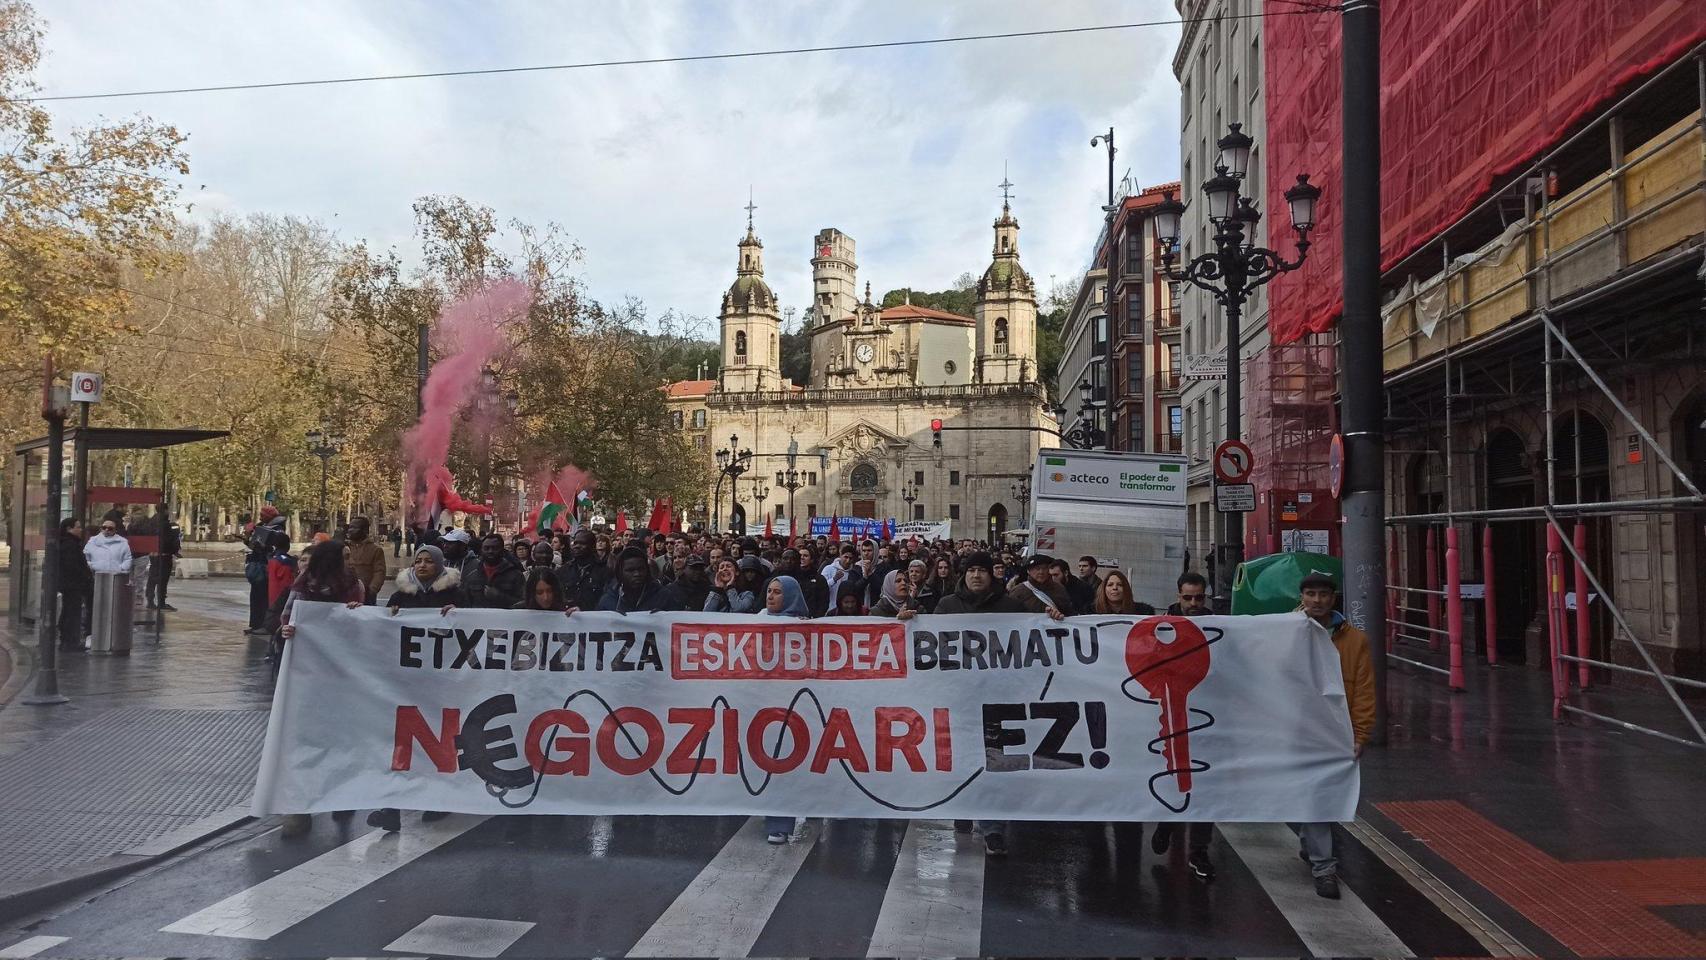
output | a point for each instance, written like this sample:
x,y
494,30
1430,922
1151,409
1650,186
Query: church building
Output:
x,y
858,436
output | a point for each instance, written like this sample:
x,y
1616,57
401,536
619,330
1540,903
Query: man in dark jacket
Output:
x,y
634,590
978,591
1038,593
76,584
262,541
495,579
688,590
812,585
583,576
160,566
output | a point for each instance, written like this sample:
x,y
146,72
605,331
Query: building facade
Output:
x,y
1122,337
1219,67
860,430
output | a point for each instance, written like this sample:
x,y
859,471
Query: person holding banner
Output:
x,y
1319,596
782,598
1113,595
1038,593
895,599
635,588
979,591
938,585
542,591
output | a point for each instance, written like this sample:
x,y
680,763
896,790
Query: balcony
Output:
x,y
1168,319
1170,443
1167,381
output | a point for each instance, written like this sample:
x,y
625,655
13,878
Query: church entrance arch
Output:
x,y
997,524
863,482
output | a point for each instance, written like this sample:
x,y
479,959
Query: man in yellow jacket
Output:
x,y
1319,593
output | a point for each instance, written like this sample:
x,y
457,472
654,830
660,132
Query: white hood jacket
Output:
x,y
107,553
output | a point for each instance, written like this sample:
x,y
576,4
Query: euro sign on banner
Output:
x,y
991,716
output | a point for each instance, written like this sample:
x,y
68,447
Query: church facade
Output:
x,y
859,432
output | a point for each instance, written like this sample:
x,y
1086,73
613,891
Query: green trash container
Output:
x,y
1270,584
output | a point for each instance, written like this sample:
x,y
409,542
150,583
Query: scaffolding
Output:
x,y
1294,416
1577,287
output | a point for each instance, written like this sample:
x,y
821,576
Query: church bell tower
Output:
x,y
1006,310
751,327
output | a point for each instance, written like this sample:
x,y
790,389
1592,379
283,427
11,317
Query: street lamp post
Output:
x,y
325,446
1230,272
1021,491
760,493
732,461
909,493
1087,435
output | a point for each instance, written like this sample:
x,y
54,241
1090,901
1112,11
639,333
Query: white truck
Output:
x,y
1125,509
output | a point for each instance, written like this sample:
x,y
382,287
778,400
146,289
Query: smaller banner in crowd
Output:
x,y
923,530
989,716
858,528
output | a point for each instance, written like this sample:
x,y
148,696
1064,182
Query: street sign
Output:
x,y
1235,497
1336,465
1204,366
1232,461
86,388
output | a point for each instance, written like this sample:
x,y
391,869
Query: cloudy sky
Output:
x,y
648,166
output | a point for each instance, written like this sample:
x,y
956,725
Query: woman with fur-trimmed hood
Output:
x,y
428,582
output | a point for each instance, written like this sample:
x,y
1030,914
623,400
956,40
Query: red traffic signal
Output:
x,y
936,426
936,433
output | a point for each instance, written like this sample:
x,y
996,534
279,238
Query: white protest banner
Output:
x,y
923,529
988,716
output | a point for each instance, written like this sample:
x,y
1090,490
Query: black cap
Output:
x,y
1318,578
1038,560
980,559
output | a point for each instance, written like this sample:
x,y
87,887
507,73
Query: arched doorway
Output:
x,y
863,482
1689,440
997,524
1517,545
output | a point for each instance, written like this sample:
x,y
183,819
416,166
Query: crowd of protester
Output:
x,y
644,571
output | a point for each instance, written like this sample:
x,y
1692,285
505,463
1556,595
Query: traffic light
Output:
x,y
936,433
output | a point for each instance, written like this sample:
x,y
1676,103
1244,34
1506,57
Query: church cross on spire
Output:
x,y
749,208
1006,186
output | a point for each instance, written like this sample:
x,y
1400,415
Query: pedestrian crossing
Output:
x,y
678,886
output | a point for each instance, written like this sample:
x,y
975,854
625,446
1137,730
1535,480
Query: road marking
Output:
x,y
461,936
934,903
274,905
1487,933
30,947
1331,928
725,908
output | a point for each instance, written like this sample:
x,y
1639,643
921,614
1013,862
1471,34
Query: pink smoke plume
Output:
x,y
472,331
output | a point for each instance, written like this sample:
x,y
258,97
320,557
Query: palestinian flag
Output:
x,y
551,510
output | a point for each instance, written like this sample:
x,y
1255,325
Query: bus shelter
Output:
x,y
107,469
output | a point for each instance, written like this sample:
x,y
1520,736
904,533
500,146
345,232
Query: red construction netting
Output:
x,y
1471,90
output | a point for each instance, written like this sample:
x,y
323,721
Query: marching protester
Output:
x,y
1038,592
1080,592
737,587
1318,594
583,575
690,588
849,603
939,584
456,543
541,592
522,551
324,578
635,589
255,565
76,584
895,598
1192,602
782,598
366,558
540,554
1113,595
812,584
495,580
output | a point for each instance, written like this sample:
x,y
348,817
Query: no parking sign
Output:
x,y
86,388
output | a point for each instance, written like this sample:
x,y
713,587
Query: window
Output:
x,y
1176,420
953,511
918,478
1134,314
1173,361
1133,369
1134,433
1004,241
1098,380
740,344
811,510
676,419
1100,336
811,478
698,419
1134,250
1001,336
701,442
1253,69
918,511
953,478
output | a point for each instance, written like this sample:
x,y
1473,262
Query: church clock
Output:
x,y
865,352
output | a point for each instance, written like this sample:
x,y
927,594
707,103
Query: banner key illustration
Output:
x,y
1169,657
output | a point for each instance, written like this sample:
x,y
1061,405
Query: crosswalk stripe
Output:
x,y
934,903
30,947
725,908
1332,928
274,905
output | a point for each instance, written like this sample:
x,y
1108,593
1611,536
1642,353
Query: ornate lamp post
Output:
x,y
1021,491
325,446
1088,433
760,493
731,463
1230,272
909,493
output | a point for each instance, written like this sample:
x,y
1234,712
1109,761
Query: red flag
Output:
x,y
662,518
793,532
768,531
622,521
888,529
834,529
